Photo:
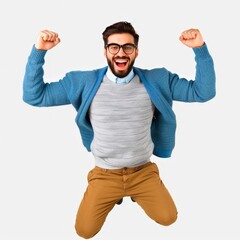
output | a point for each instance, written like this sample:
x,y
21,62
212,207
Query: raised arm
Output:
x,y
202,88
35,91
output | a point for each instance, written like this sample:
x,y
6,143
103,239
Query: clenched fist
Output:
x,y
47,40
192,38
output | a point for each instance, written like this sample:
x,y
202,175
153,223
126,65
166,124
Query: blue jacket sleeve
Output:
x,y
35,91
202,88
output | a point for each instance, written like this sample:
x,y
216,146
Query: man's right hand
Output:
x,y
47,40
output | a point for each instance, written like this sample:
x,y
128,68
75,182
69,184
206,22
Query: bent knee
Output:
x,y
84,232
167,219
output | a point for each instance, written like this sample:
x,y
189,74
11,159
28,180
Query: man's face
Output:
x,y
121,63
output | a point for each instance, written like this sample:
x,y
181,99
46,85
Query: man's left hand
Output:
x,y
192,38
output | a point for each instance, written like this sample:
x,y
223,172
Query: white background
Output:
x,y
43,165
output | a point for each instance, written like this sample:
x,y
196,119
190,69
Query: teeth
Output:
x,y
121,61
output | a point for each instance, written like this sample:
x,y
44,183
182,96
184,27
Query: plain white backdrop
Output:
x,y
43,165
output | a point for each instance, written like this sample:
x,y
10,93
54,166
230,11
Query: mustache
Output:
x,y
121,58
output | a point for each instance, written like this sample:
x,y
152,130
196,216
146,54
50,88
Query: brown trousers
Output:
x,y
106,187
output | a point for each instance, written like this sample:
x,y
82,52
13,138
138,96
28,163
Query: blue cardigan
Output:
x,y
79,87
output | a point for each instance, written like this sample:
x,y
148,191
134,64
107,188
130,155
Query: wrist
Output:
x,y
200,45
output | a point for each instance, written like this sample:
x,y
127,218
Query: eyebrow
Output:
x,y
121,44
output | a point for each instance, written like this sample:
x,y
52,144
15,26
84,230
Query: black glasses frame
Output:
x,y
121,46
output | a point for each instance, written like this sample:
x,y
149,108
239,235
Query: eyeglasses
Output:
x,y
114,48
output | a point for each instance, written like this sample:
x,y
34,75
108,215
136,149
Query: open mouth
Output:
x,y
121,63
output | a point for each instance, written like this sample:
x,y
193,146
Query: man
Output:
x,y
124,115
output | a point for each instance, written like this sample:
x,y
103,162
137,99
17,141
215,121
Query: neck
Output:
x,y
116,79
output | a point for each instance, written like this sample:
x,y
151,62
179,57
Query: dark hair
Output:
x,y
120,27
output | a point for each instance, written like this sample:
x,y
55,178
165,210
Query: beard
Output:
x,y
120,74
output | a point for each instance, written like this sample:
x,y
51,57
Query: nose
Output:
x,y
121,52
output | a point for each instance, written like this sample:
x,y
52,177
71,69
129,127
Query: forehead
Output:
x,y
121,38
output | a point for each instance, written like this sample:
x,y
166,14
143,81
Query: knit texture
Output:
x,y
121,116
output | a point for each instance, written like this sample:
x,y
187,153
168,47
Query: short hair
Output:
x,y
120,27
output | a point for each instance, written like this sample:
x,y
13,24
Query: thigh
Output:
x,y
97,202
154,198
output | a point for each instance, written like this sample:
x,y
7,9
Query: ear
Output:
x,y
136,53
105,52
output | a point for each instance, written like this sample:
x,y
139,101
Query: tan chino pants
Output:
x,y
106,187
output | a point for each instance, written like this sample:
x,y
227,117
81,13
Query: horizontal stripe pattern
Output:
x,y
121,116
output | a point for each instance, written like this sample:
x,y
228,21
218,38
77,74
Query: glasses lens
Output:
x,y
113,48
128,48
